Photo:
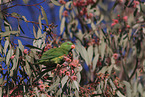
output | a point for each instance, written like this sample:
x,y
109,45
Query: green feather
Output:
x,y
55,56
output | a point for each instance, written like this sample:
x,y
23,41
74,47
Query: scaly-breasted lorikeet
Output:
x,y
55,56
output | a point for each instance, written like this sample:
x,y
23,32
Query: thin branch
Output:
x,y
33,22
134,70
22,5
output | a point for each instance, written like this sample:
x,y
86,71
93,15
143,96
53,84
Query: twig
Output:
x,y
134,70
22,5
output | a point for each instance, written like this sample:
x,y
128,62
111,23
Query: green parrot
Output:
x,y
55,56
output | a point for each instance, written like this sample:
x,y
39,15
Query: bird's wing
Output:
x,y
52,53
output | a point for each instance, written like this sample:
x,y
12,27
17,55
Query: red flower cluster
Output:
x,y
81,3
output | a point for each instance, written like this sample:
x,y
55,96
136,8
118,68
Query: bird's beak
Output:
x,y
72,46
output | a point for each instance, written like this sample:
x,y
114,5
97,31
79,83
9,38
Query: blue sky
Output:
x,y
32,13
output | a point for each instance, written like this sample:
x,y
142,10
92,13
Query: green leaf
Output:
x,y
1,91
62,26
2,59
27,69
102,49
25,19
33,47
95,60
76,93
39,19
59,92
112,84
7,26
15,63
119,93
61,11
44,15
142,6
9,54
21,47
128,88
140,88
64,80
101,18
90,53
55,2
34,31
104,69
6,46
94,28
8,33
78,77
54,85
135,88
39,33
76,84
15,14
85,55
68,4
144,65
25,1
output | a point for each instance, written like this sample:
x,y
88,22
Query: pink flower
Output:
x,y
79,65
67,59
125,18
91,15
115,56
72,71
128,26
74,77
113,24
48,46
81,12
74,3
73,64
42,87
65,13
12,57
64,70
40,82
135,3
62,2
115,20
25,51
76,61
67,73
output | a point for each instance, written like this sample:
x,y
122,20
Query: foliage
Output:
x,y
109,58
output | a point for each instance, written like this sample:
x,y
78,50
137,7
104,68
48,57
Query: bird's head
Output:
x,y
67,45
